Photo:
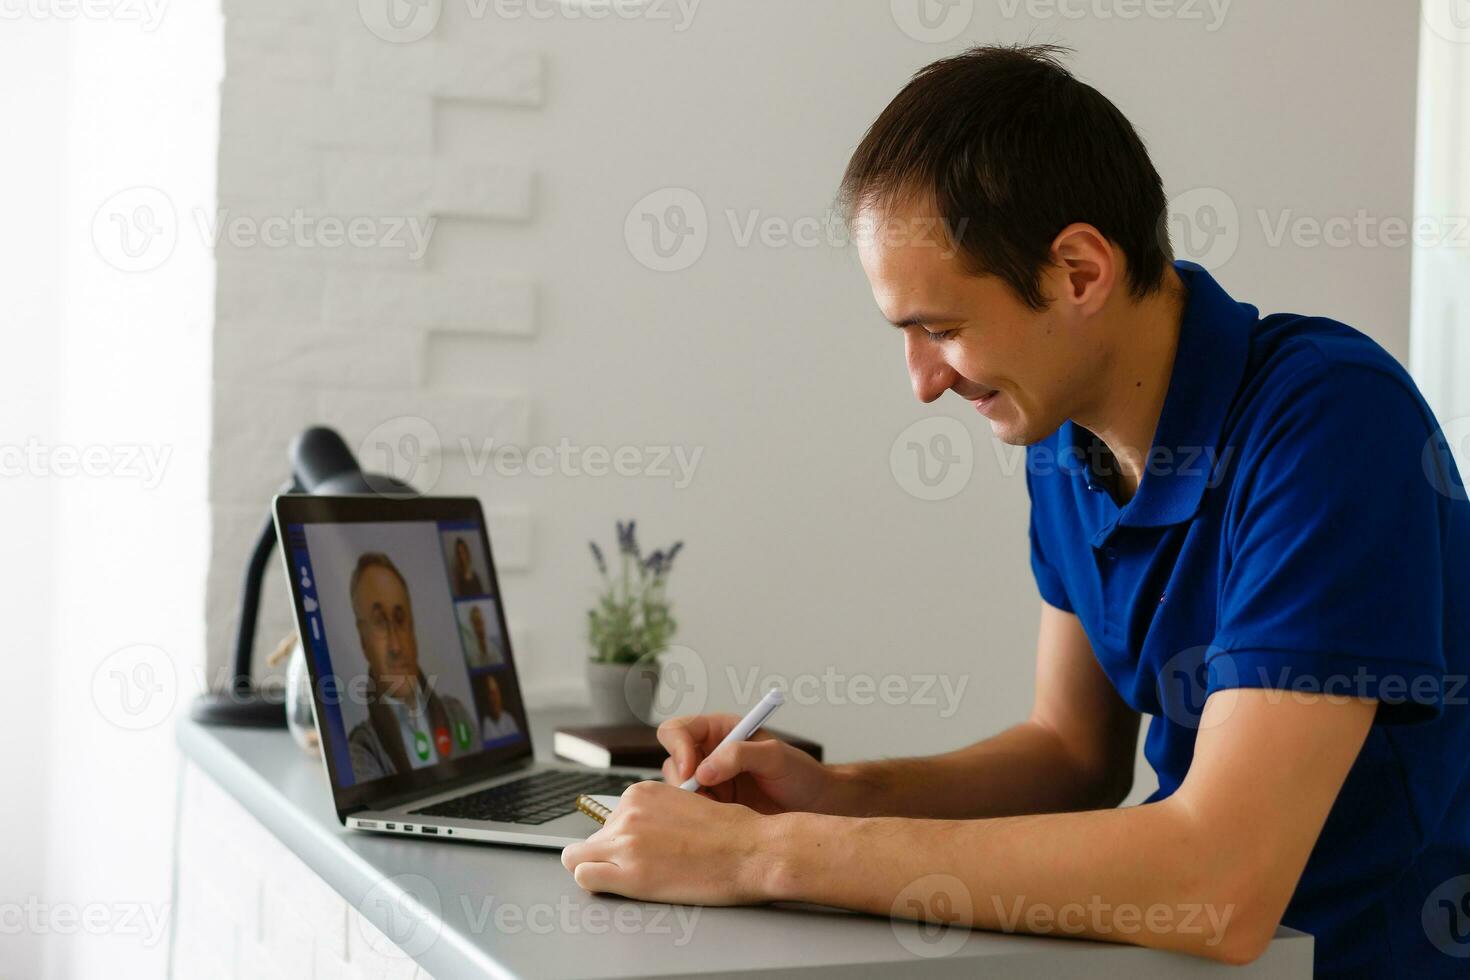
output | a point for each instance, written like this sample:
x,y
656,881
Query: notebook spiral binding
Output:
x,y
593,809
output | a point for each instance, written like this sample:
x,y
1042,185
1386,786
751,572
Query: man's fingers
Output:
x,y
687,738
680,737
597,848
598,876
763,757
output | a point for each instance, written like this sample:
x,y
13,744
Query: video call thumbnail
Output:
x,y
479,632
402,644
469,574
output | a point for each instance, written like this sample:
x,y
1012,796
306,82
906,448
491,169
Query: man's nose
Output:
x,y
930,375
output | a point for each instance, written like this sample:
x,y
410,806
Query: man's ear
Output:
x,y
1087,267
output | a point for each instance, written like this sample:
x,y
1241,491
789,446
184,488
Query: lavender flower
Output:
x,y
628,538
631,619
629,543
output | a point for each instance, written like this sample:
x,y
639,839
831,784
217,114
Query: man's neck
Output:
x,y
1135,380
410,697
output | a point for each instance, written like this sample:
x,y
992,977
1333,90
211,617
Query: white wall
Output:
x,y
106,648
29,320
805,554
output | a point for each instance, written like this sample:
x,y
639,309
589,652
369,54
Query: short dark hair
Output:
x,y
1014,148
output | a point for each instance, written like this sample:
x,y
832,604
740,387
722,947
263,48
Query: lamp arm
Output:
x,y
250,601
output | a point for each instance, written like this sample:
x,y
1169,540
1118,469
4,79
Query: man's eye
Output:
x,y
937,335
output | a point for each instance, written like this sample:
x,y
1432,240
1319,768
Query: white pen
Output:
x,y
747,727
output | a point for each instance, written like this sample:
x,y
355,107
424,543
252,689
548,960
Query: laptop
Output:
x,y
418,709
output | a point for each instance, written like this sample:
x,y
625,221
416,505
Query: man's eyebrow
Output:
x,y
919,319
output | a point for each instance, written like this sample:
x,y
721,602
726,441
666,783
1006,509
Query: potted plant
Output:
x,y
628,628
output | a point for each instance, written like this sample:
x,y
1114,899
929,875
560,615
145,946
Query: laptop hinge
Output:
x,y
449,786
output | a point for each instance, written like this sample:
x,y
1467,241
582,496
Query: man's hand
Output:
x,y
762,773
664,844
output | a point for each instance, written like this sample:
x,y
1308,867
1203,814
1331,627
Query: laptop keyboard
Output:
x,y
532,799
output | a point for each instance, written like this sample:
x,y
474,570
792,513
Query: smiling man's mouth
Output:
x,y
979,394
984,399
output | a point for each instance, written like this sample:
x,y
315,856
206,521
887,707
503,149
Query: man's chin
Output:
x,y
1011,432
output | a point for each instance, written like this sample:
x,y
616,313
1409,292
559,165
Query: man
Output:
x,y
408,725
467,583
498,723
475,638
1248,529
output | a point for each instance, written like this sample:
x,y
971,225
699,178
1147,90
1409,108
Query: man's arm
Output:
x,y
1208,871
1075,752
1230,845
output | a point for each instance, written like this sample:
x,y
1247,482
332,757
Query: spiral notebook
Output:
x,y
599,808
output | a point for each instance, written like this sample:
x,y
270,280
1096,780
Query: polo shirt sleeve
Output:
x,y
1334,571
1048,579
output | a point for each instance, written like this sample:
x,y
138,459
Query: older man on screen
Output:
x,y
408,726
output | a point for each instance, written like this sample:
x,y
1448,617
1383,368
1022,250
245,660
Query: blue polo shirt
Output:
x,y
1300,525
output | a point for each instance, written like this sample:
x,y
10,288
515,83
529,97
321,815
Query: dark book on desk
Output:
x,y
636,746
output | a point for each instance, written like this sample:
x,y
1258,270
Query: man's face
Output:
x,y
385,626
492,697
1021,368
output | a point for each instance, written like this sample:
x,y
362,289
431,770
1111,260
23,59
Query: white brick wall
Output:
x,y
325,127
248,908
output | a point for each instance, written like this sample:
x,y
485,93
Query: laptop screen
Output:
x,y
411,664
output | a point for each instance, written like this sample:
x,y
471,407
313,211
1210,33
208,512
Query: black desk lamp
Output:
x,y
321,463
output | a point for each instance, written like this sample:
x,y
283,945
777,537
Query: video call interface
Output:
x,y
405,634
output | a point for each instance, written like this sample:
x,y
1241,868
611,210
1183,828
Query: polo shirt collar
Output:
x,y
1209,365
